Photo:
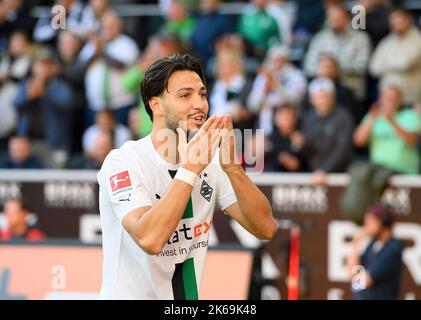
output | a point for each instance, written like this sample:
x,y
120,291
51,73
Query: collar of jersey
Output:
x,y
159,159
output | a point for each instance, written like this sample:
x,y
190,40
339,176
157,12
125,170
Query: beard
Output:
x,y
173,122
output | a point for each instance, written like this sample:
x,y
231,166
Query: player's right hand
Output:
x,y
196,154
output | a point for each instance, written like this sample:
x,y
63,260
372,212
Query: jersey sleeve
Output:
x,y
226,195
124,186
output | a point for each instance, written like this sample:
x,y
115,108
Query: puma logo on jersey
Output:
x,y
120,180
126,199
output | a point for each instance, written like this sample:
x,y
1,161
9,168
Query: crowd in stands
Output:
x,y
326,92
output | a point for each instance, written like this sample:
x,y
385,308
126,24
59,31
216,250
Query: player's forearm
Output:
x,y
156,225
254,205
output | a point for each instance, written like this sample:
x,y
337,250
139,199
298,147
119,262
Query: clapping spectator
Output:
x,y
278,82
44,103
110,55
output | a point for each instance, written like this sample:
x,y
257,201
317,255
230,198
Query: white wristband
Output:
x,y
186,175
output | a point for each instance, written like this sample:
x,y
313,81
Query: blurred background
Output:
x,y
334,85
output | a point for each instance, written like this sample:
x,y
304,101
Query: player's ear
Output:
x,y
156,106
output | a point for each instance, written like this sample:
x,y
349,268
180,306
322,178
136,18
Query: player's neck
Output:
x,y
165,142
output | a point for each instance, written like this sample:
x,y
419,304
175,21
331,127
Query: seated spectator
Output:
x,y
105,121
210,26
351,48
326,138
259,28
397,59
95,156
328,68
14,67
278,82
44,103
178,21
381,258
109,55
20,155
230,90
391,134
18,223
282,155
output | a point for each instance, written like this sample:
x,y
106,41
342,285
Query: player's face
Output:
x,y
185,101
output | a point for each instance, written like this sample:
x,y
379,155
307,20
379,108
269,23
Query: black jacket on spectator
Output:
x,y
278,144
328,140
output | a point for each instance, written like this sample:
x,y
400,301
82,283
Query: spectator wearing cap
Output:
x,y
18,223
277,83
397,59
44,103
351,48
376,273
326,138
328,67
20,155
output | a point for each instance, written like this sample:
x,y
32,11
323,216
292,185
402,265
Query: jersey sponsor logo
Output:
x,y
120,181
188,233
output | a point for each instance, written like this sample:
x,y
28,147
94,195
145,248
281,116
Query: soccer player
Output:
x,y
157,202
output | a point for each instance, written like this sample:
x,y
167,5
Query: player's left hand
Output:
x,y
227,155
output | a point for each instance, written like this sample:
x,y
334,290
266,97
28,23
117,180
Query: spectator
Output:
x,y
326,138
73,71
18,223
20,155
110,54
381,260
105,121
259,28
14,16
94,157
159,46
44,31
391,134
351,49
328,68
210,26
91,18
14,67
44,103
278,82
230,90
284,13
376,19
178,21
397,59
283,155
